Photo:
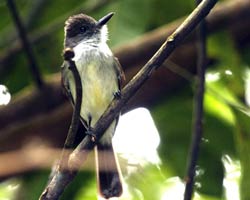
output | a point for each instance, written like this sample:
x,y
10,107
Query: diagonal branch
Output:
x,y
26,44
198,109
77,158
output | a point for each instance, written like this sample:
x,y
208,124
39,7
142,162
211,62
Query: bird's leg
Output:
x,y
117,94
89,130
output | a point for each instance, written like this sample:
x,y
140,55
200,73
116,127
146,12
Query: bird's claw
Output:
x,y
91,134
117,94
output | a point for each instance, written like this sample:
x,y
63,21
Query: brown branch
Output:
x,y
32,156
77,158
31,102
69,142
36,156
40,127
198,109
26,45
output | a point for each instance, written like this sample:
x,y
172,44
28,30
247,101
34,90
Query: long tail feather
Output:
x,y
108,175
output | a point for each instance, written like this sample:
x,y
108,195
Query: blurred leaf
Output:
x,y
54,9
130,20
243,144
140,183
20,76
166,11
82,187
229,64
32,185
173,118
8,189
218,109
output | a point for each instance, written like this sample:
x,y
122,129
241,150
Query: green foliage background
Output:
x,y
226,122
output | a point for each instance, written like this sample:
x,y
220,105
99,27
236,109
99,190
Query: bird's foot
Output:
x,y
117,94
91,134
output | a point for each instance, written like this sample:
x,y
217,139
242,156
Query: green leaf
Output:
x,y
243,144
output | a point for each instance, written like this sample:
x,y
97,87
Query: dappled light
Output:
x,y
136,138
4,95
9,189
231,178
247,86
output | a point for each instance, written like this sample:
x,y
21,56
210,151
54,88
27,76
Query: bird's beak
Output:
x,y
105,19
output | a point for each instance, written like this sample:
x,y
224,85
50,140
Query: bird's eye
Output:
x,y
83,29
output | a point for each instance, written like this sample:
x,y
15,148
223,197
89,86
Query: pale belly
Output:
x,y
99,83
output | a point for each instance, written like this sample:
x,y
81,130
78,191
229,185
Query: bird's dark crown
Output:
x,y
83,28
79,24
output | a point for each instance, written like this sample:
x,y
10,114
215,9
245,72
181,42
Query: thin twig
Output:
x,y
79,155
68,55
198,109
62,166
26,44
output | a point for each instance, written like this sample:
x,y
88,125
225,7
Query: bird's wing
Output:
x,y
65,81
120,72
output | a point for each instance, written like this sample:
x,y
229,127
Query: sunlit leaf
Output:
x,y
9,189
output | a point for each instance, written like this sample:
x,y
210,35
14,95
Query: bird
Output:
x,y
101,77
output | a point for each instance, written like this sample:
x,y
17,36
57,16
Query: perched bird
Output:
x,y
101,77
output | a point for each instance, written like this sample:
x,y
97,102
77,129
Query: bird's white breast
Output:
x,y
99,79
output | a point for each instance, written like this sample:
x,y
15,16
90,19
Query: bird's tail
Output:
x,y
108,172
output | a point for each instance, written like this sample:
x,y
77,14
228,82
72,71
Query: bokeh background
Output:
x,y
34,124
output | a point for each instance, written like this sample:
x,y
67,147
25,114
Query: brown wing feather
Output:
x,y
120,72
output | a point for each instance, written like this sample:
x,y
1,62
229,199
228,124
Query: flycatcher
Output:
x,y
101,77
